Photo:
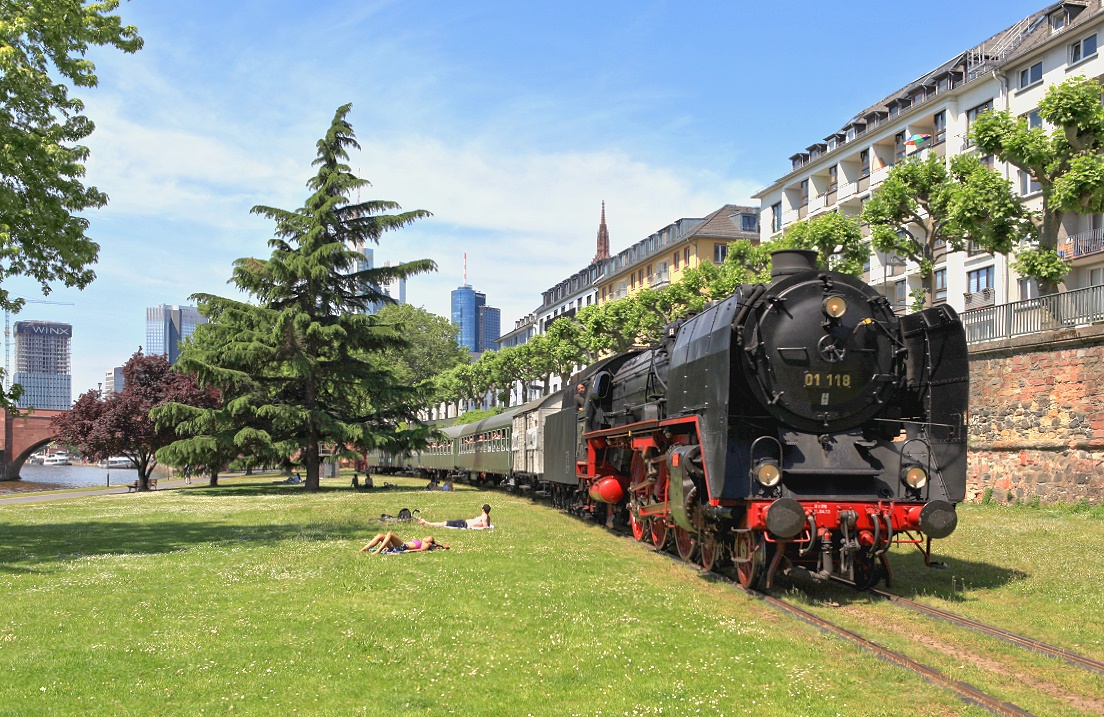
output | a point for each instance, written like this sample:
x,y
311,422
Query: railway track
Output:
x,y
1028,643
965,691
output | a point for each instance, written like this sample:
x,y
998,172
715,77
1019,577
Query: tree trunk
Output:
x,y
214,479
310,463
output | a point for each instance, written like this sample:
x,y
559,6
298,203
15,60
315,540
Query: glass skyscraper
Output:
x,y
42,364
167,326
479,324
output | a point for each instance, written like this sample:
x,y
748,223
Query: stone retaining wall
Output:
x,y
1037,417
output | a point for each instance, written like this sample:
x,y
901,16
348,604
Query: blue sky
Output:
x,y
510,121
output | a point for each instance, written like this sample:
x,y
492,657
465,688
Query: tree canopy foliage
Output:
x,y
301,366
925,206
1066,160
43,47
120,424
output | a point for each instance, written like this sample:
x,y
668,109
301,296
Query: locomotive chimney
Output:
x,y
792,261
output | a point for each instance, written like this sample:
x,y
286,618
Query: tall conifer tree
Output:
x,y
299,366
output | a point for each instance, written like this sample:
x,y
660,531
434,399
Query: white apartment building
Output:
x,y
1010,71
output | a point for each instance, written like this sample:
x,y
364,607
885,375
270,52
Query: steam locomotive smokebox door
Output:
x,y
560,446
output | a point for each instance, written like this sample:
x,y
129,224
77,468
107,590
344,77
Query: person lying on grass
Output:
x,y
389,541
483,520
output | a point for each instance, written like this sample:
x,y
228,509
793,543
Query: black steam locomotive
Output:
x,y
799,423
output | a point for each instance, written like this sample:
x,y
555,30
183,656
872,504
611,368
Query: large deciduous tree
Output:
x,y
43,46
431,343
120,424
837,240
300,367
924,204
1066,161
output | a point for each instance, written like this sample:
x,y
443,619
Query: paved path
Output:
x,y
65,494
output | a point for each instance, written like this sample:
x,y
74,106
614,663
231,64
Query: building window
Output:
x,y
899,144
1028,185
804,192
864,163
940,281
676,261
1082,49
1058,20
1096,277
686,257
974,113
1033,119
1031,75
632,280
749,222
833,178
776,217
940,120
1029,289
649,273
900,294
979,279
720,252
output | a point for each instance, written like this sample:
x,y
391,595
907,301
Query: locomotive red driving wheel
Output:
x,y
710,552
639,525
659,532
750,558
686,543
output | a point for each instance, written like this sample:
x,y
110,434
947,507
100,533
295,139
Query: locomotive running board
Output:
x,y
623,430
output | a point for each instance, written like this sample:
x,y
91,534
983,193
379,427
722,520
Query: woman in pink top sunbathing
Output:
x,y
390,541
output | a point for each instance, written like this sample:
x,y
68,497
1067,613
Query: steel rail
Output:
x,y
965,691
1029,643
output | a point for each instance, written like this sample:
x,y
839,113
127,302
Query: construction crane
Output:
x,y
7,335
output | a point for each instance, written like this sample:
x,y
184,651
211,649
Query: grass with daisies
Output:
x,y
251,598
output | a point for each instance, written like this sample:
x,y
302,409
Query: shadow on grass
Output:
x,y
42,548
911,579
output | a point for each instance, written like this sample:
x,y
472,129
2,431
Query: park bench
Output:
x,y
132,487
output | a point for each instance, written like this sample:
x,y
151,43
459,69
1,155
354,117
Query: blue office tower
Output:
x,y
466,303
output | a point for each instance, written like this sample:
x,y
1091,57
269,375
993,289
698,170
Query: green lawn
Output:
x,y
251,598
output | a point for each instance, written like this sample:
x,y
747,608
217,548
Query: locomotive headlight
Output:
x,y
767,474
835,306
916,477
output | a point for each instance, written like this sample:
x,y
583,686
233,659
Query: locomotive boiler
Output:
x,y
796,423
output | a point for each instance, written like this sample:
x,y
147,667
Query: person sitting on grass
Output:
x,y
384,542
483,520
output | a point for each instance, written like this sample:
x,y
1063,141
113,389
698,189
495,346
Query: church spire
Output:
x,y
603,238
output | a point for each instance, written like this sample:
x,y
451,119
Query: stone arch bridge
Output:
x,y
23,435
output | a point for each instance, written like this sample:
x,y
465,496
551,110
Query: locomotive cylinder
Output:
x,y
607,490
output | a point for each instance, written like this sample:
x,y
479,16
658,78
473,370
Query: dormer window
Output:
x,y
1059,20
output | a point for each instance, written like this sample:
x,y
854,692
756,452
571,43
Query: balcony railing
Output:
x,y
1066,310
1088,242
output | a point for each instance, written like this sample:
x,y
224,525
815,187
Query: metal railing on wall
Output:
x,y
1066,310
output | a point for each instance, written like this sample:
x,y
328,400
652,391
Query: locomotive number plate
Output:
x,y
828,388
827,380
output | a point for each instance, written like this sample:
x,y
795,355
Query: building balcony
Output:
x,y
1065,310
979,299
1083,244
659,279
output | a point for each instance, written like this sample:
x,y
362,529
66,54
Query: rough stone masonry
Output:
x,y
1037,417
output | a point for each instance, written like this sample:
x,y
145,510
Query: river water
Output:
x,y
35,478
